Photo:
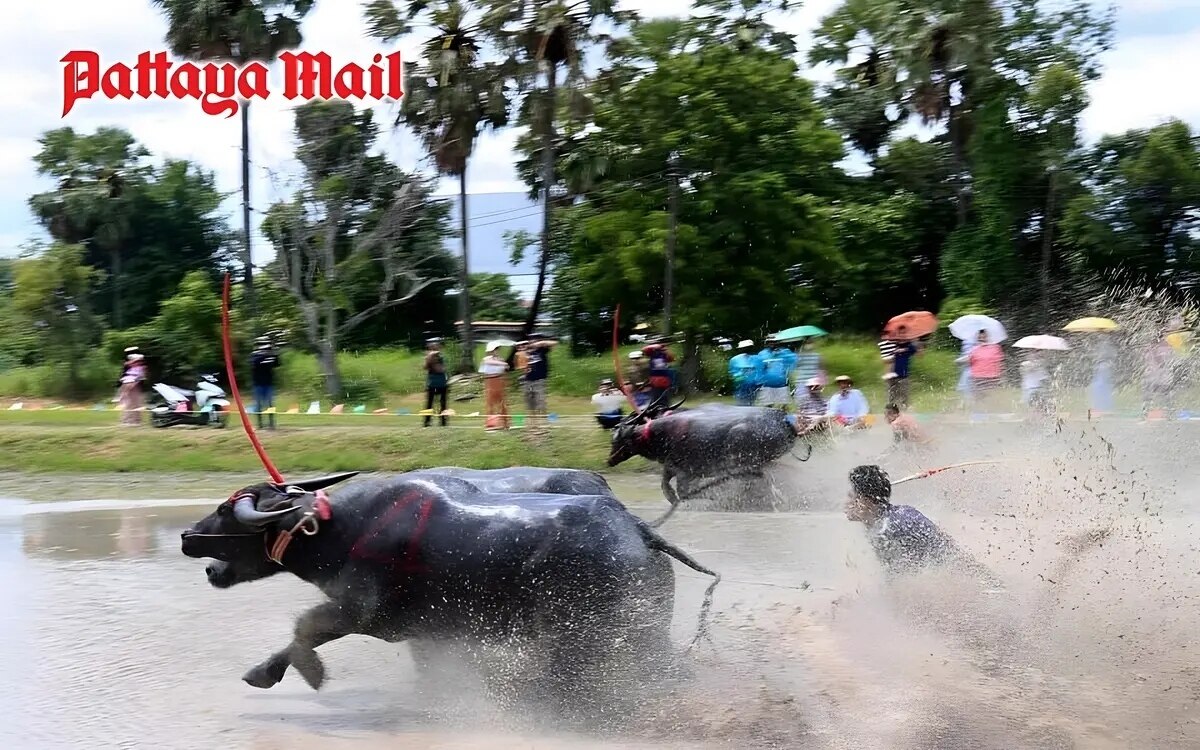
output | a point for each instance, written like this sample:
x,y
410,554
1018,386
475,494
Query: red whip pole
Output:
x,y
617,362
931,472
233,387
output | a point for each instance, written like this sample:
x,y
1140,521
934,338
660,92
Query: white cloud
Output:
x,y
1143,85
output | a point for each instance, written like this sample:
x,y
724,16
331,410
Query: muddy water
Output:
x,y
111,638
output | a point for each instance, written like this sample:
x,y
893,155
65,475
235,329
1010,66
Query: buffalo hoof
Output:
x,y
310,667
260,677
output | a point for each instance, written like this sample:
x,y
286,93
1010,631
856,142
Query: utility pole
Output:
x,y
1048,246
672,225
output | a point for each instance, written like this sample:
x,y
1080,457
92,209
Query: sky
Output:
x,y
1145,82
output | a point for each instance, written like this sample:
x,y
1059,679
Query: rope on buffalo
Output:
x,y
751,583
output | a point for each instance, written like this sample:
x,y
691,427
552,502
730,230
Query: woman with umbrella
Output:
x,y
1104,354
967,329
1035,370
494,370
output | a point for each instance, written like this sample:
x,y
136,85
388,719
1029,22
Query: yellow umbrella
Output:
x,y
1091,325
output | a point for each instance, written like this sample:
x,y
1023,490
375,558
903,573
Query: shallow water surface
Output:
x,y
112,638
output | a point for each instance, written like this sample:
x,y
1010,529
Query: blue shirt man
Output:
x,y
263,363
777,366
744,369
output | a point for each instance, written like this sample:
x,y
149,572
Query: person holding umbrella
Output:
x,y
986,362
966,329
743,368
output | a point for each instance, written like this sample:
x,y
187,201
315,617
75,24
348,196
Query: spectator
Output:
x,y
537,373
986,361
848,407
1158,376
1034,375
263,362
964,375
637,371
811,405
493,369
608,401
1101,390
641,395
436,383
133,375
777,364
904,427
743,368
898,386
807,363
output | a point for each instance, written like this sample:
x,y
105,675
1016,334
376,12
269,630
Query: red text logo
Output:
x,y
220,87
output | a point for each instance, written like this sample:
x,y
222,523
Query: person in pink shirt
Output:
x,y
986,365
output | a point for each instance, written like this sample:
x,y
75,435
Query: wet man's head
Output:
x,y
890,413
870,493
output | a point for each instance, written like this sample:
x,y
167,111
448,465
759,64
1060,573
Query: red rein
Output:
x,y
233,388
617,362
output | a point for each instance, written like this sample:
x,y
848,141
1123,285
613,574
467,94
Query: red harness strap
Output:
x,y
309,524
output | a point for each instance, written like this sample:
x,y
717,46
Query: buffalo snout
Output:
x,y
221,575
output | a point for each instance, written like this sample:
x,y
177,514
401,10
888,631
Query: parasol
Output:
x,y
967,328
798,333
1091,325
910,325
1044,343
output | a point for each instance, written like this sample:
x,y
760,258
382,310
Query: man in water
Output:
x,y
903,538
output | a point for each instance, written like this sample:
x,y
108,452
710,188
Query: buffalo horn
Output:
x,y
245,512
677,404
320,483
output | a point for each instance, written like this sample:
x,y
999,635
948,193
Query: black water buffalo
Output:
x,y
578,578
717,441
521,479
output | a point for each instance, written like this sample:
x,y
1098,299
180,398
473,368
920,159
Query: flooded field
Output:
x,y
111,638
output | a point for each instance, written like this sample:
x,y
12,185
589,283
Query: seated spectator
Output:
x,y
848,407
810,404
608,402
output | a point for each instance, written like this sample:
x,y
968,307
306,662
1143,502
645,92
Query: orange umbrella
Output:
x,y
910,325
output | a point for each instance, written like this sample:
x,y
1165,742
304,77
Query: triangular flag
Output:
x,y
403,412
314,407
99,407
360,409
294,409
381,411
17,406
338,409
270,411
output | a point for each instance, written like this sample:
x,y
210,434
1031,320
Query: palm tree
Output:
x,y
241,31
449,100
542,36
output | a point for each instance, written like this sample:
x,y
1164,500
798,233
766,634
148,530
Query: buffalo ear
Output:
x,y
320,483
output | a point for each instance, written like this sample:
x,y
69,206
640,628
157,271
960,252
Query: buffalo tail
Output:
x,y
655,541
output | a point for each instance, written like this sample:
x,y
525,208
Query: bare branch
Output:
x,y
354,320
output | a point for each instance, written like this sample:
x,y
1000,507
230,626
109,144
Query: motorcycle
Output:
x,y
210,408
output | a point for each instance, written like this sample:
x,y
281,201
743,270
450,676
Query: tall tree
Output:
x,y
241,31
450,98
357,224
541,37
52,291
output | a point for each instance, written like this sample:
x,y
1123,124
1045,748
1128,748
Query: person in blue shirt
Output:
x,y
901,357
776,370
848,407
744,369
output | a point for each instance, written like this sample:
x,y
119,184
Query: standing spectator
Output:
x,y
964,375
608,402
848,407
807,364
537,372
493,369
263,362
743,368
132,377
776,368
898,386
1101,390
436,383
1158,376
986,361
662,374
1034,375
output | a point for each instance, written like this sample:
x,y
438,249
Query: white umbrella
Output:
x,y
1046,343
497,343
968,327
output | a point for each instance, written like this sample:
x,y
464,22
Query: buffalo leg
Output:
x,y
315,627
668,492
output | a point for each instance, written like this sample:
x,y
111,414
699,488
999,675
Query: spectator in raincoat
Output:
x,y
777,365
744,369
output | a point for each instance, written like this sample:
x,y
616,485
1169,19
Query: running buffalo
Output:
x,y
522,479
716,441
576,577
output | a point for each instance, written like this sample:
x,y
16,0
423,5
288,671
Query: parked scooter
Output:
x,y
205,406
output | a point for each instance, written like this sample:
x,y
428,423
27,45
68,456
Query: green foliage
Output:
x,y
493,298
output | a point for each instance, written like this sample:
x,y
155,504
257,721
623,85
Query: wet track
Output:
x,y
111,638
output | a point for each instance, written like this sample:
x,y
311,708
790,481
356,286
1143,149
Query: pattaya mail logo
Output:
x,y
219,87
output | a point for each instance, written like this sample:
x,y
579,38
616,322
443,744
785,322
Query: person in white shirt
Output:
x,y
493,369
848,407
608,402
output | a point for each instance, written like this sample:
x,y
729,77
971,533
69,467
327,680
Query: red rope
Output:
x,y
617,362
233,388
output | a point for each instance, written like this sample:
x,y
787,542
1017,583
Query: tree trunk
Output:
x,y
247,262
672,224
117,311
467,361
547,182
1047,250
328,353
